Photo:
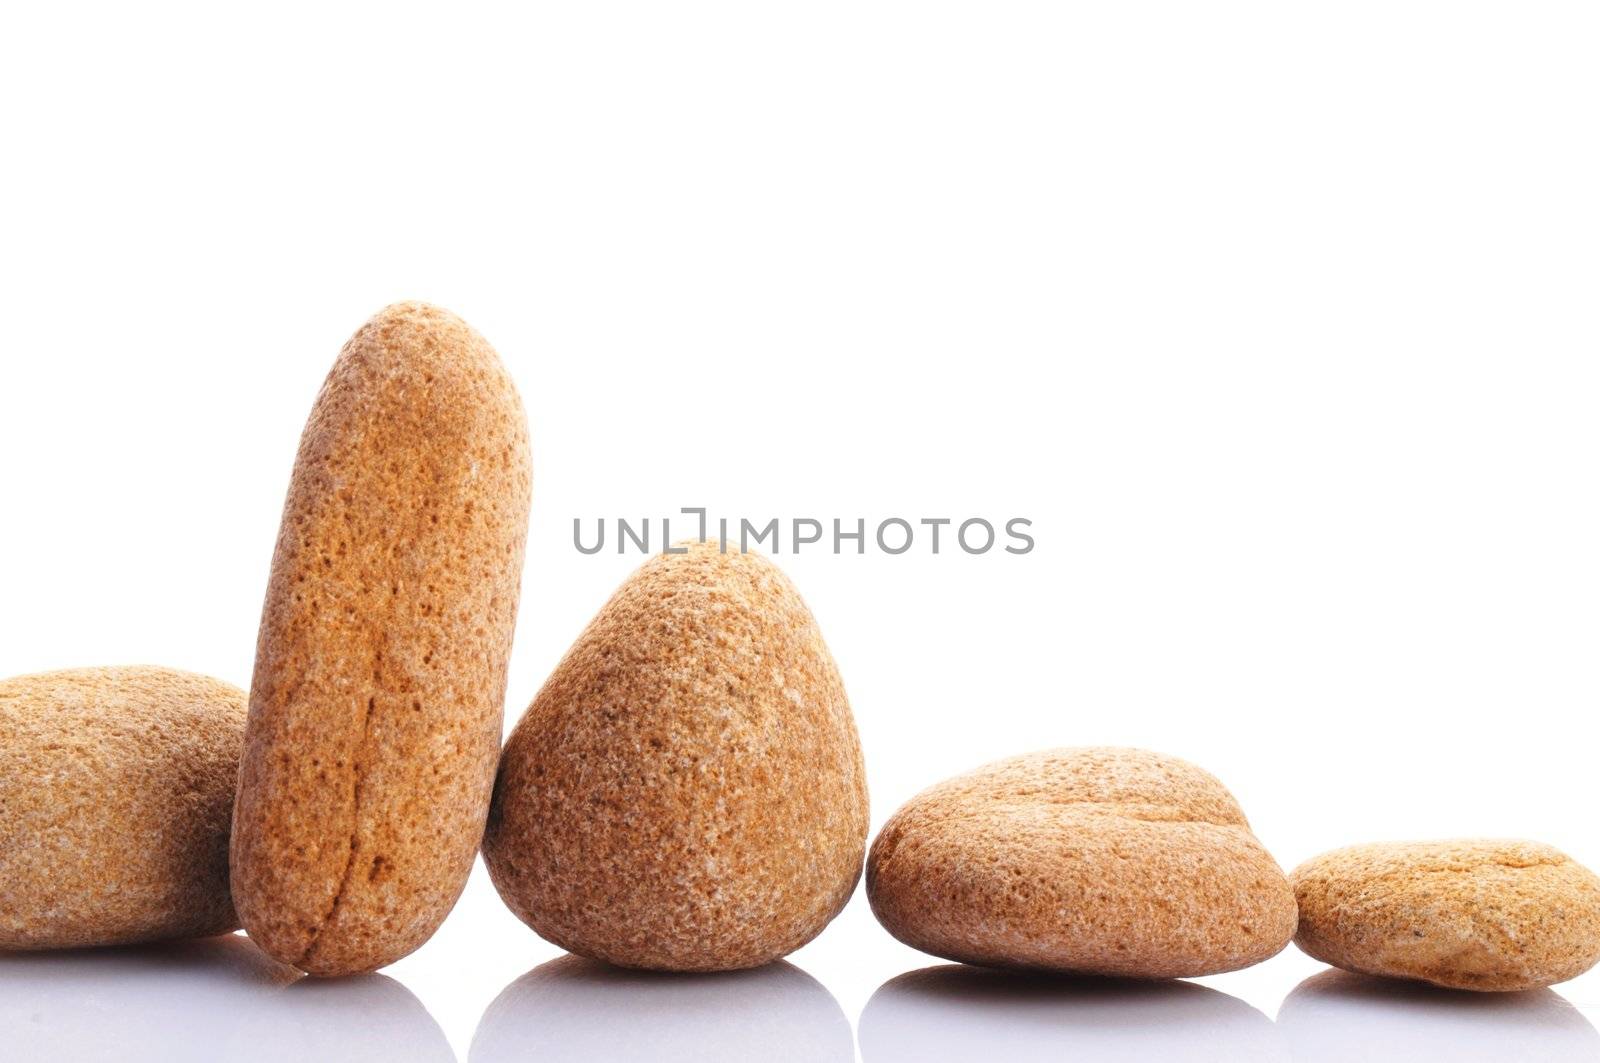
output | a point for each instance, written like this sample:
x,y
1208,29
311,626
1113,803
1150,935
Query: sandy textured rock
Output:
x,y
116,787
381,665
686,792
1483,914
1094,861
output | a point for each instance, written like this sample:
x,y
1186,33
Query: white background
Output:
x,y
1277,319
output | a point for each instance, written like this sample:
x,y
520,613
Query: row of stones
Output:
x,y
1106,861
1128,863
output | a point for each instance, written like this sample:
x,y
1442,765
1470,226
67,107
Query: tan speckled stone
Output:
x,y
686,792
380,673
1093,861
116,787
1480,914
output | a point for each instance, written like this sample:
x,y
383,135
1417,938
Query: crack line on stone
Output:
x,y
355,835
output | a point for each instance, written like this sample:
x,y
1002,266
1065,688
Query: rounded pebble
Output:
x,y
1091,860
1480,914
380,677
686,792
116,788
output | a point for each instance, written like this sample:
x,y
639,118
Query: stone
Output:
x,y
376,707
1091,860
116,790
686,792
1481,914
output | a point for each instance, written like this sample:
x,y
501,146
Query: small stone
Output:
x,y
380,678
1098,861
1481,914
686,792
116,790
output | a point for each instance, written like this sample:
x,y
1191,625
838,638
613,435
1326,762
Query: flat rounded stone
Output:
x,y
1481,914
116,788
1092,860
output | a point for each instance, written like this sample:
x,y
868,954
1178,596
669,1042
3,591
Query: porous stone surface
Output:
x,y
1480,914
1086,860
116,788
686,792
379,685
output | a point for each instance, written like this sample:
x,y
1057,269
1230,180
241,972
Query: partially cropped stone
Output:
x,y
116,789
1482,914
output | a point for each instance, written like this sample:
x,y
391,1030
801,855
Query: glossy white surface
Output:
x,y
222,1000
1338,1016
955,1013
575,1009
